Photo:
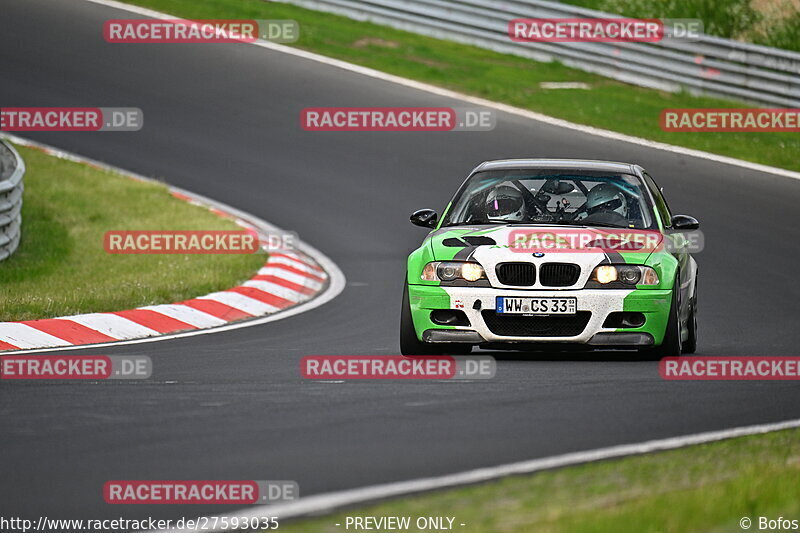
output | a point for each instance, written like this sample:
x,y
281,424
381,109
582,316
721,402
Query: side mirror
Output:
x,y
425,217
684,222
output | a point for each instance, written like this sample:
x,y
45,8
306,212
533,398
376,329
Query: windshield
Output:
x,y
542,196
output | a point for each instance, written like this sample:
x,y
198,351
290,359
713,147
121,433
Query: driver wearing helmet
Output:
x,y
505,203
602,204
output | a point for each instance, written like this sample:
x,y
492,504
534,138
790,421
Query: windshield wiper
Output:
x,y
591,224
482,222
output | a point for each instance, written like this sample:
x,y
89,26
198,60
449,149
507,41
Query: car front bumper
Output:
x,y
586,327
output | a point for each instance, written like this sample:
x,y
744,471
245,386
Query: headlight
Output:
x,y
448,271
623,275
452,270
472,271
605,274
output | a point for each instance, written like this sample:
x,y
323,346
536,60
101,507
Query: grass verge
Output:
x,y
706,488
61,267
503,78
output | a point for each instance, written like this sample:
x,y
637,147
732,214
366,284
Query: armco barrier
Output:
x,y
708,65
12,169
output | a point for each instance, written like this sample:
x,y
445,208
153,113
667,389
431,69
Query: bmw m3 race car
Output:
x,y
533,251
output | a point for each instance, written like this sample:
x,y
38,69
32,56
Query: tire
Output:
x,y
690,346
411,345
671,345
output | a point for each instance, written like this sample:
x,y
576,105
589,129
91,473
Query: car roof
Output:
x,y
570,164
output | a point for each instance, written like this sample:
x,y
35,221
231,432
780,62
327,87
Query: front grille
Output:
x,y
516,274
559,274
536,326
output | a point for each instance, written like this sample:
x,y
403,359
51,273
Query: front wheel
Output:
x,y
690,346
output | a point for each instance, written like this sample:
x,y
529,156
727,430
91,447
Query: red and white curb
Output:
x,y
291,281
286,279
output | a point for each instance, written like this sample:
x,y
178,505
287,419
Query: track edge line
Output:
x,y
525,113
330,502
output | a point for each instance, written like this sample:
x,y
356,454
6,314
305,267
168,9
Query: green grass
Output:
x,y
706,488
61,268
591,4
768,22
499,77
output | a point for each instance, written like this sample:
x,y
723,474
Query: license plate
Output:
x,y
536,306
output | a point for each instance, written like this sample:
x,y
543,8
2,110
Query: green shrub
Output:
x,y
724,18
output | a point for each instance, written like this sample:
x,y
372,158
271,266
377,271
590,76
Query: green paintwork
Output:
x,y
417,261
654,302
423,299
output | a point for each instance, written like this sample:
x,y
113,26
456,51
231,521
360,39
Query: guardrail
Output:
x,y
12,169
708,65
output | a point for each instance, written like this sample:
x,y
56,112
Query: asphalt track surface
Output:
x,y
223,121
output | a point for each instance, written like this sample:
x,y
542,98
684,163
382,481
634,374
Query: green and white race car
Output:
x,y
546,251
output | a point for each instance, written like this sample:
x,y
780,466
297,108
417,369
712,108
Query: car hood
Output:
x,y
586,246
